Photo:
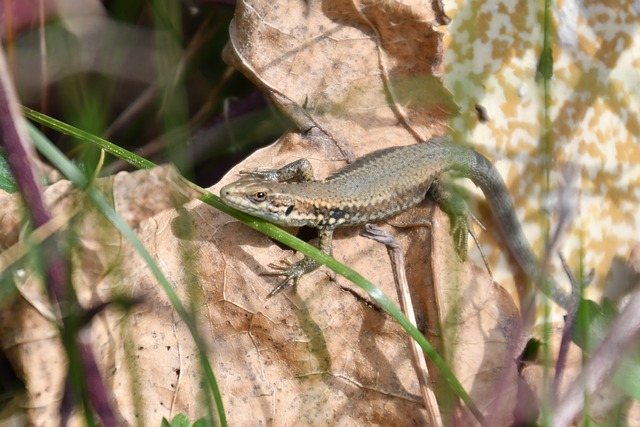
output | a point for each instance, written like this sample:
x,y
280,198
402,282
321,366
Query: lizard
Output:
x,y
378,186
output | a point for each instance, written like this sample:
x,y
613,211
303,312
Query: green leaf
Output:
x,y
593,323
179,420
121,153
545,65
202,422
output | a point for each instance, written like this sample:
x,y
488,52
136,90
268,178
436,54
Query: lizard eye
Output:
x,y
259,196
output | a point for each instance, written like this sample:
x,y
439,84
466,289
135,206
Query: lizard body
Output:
x,y
378,186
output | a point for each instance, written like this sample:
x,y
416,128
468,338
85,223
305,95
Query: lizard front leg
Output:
x,y
298,171
294,271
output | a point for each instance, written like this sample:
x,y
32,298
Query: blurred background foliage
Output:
x,y
146,75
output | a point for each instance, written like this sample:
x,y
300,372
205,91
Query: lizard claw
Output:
x,y
292,271
460,230
288,268
284,285
282,265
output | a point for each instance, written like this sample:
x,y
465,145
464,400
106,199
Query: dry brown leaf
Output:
x,y
364,73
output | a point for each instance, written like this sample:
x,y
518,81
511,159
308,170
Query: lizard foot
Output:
x,y
266,174
292,271
460,230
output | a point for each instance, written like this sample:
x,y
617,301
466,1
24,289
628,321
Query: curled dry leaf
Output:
x,y
363,73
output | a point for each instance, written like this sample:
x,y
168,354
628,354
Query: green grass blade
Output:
x,y
78,178
121,153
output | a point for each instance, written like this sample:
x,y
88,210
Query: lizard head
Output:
x,y
264,199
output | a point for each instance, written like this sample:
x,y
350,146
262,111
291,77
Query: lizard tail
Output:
x,y
482,172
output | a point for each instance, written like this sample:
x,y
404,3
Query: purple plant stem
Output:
x,y
13,137
95,385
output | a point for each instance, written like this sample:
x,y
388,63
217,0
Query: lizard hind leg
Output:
x,y
454,205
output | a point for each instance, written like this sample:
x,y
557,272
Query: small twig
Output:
x,y
566,209
565,204
569,325
474,236
398,263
